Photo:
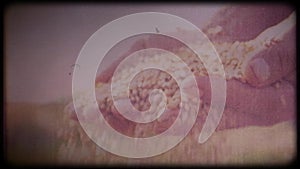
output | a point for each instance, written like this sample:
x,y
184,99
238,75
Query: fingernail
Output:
x,y
261,69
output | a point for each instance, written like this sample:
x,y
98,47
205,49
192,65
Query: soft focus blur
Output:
x,y
42,43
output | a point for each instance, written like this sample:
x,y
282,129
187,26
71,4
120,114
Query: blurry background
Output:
x,y
42,42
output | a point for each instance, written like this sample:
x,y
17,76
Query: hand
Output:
x,y
271,64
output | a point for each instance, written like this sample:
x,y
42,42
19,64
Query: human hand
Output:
x,y
274,23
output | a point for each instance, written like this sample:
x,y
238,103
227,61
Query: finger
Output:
x,y
273,63
246,105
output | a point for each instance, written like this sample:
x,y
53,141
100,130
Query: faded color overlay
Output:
x,y
150,84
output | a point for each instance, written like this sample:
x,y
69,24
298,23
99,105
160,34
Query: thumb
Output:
x,y
273,63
